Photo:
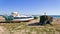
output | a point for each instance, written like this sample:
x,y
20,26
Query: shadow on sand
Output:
x,y
11,22
38,24
34,24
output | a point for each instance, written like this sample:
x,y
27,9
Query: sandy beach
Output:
x,y
23,28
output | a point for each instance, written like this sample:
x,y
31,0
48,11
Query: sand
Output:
x,y
3,30
14,27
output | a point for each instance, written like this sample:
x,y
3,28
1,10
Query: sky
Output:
x,y
30,7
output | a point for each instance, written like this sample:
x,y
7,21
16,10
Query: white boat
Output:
x,y
18,17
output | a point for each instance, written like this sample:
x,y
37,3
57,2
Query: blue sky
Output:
x,y
30,7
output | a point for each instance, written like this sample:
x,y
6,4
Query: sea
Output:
x,y
54,16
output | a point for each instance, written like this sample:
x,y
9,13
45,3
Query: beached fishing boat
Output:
x,y
17,17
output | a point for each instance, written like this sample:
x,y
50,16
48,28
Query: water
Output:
x,y
54,16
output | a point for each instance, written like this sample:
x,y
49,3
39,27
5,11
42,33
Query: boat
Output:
x,y
15,16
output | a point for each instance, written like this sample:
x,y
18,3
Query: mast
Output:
x,y
44,13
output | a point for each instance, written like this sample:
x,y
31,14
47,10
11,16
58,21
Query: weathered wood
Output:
x,y
44,19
